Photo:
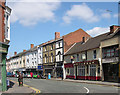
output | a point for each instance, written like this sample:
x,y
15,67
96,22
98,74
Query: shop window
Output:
x,y
92,70
68,71
81,70
87,69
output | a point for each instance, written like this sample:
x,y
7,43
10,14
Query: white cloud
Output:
x,y
81,12
106,15
116,15
30,13
98,30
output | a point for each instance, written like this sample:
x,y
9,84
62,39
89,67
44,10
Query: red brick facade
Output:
x,y
2,25
74,37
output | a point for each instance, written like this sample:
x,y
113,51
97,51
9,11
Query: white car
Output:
x,y
29,76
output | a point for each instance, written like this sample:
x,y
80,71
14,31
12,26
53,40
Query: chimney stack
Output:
x,y
24,50
57,35
15,53
113,28
32,45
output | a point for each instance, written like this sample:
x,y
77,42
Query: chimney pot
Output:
x,y
24,50
113,28
57,35
15,53
32,45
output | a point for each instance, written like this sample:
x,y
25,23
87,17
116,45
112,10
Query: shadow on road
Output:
x,y
11,85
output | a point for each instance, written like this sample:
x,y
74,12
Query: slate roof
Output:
x,y
90,44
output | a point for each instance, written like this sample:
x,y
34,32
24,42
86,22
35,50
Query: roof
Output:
x,y
90,44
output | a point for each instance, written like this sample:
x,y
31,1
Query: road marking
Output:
x,y
87,89
36,90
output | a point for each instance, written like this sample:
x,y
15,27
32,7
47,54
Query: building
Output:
x,y
40,59
31,60
94,59
110,55
54,50
83,60
4,40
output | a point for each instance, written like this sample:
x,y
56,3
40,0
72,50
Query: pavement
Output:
x,y
14,88
89,82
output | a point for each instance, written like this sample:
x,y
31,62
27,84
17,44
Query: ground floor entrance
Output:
x,y
111,72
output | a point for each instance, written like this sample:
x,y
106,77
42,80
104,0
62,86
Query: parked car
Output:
x,y
9,74
28,76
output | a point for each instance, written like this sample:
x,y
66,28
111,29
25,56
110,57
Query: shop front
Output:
x,y
3,78
48,69
88,70
111,69
59,69
69,70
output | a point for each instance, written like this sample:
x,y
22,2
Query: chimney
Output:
x,y
24,50
15,53
32,45
57,35
113,28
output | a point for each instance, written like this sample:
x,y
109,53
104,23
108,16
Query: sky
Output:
x,y
36,22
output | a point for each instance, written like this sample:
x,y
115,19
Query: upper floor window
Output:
x,y
52,47
83,56
59,54
59,44
77,57
110,52
94,54
45,58
45,48
51,57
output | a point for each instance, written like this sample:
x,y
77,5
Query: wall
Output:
x,y
74,37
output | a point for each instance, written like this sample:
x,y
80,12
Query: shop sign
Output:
x,y
40,67
110,60
3,49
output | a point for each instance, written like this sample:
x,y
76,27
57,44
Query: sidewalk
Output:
x,y
14,88
89,82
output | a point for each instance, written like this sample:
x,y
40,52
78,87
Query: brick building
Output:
x,y
4,40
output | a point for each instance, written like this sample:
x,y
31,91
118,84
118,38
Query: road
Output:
x,y
54,86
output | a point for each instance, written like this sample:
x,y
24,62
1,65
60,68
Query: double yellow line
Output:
x,y
36,90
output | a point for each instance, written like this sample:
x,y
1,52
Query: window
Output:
x,y
45,58
83,56
77,57
28,60
81,70
94,54
45,48
59,44
51,57
52,47
92,70
68,71
20,62
59,54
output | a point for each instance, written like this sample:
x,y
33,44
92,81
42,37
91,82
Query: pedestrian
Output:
x,y
20,79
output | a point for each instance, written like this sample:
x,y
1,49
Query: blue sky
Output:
x,y
35,23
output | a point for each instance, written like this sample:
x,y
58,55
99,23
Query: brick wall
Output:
x,y
2,25
74,37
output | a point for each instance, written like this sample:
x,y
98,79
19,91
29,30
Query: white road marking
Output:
x,y
87,89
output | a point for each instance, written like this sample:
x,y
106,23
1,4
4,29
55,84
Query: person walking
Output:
x,y
20,79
